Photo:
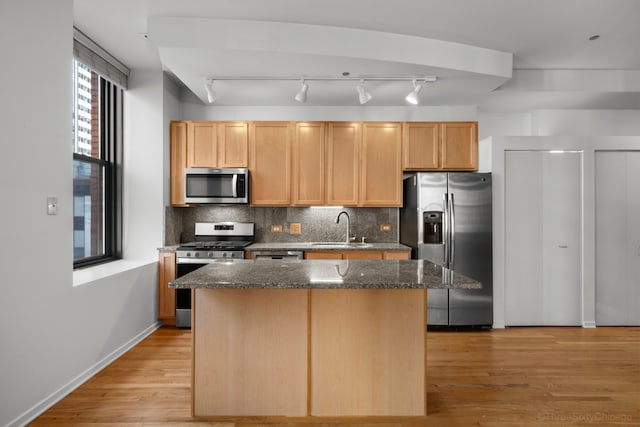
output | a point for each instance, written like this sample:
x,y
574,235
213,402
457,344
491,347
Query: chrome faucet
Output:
x,y
348,239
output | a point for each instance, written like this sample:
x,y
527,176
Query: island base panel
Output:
x,y
250,352
368,352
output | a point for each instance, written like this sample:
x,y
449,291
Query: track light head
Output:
x,y
363,95
301,96
211,94
412,98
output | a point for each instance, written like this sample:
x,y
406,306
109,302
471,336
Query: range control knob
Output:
x,y
210,254
196,254
224,255
188,253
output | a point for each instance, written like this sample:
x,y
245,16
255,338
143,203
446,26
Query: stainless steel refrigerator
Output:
x,y
446,219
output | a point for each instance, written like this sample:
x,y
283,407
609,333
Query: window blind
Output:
x,y
91,54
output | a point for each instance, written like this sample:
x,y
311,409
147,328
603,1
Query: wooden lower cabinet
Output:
x,y
391,255
166,296
386,255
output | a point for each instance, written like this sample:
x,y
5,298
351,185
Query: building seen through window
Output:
x,y
95,193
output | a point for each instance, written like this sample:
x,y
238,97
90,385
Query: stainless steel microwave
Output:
x,y
223,186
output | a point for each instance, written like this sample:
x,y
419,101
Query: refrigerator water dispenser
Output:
x,y
432,226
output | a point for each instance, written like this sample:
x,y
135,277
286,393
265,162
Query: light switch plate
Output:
x,y
52,205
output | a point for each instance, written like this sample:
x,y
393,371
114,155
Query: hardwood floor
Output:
x,y
504,377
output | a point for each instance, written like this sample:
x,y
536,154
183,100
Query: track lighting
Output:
x,y
363,95
211,94
412,98
301,96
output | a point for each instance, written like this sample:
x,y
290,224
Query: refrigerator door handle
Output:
x,y
445,228
452,234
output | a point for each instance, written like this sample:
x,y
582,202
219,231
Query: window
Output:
x,y
97,165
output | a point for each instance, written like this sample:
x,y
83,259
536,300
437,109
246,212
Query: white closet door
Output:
x,y
617,238
543,238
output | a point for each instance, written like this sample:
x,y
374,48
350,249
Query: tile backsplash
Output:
x,y
317,224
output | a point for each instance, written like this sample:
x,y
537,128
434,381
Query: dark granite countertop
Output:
x,y
326,246
314,246
324,274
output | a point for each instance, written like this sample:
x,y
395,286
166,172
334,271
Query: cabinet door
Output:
x,y
202,149
322,255
381,179
178,162
420,146
459,145
396,255
543,223
233,145
375,255
617,238
166,296
309,164
343,163
270,163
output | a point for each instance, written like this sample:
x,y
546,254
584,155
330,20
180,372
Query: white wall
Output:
x,y
55,335
586,130
193,109
172,110
144,157
560,123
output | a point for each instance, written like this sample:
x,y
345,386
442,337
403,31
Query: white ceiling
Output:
x,y
470,45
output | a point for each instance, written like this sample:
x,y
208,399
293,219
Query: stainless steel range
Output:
x,y
214,242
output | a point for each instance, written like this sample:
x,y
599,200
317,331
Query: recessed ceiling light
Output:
x,y
346,73
594,37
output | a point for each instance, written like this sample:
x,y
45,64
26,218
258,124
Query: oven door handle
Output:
x,y
202,261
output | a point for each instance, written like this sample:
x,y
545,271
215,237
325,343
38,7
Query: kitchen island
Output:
x,y
311,338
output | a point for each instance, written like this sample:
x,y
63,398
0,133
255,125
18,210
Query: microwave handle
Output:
x,y
234,184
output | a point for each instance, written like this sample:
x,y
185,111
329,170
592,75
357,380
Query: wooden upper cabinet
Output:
x,y
202,146
381,180
233,145
459,145
309,164
420,146
343,163
270,163
178,161
440,146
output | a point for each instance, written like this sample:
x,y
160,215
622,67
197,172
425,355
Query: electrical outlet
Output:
x,y
295,228
276,228
385,228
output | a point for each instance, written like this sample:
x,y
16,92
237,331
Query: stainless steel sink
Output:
x,y
342,245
